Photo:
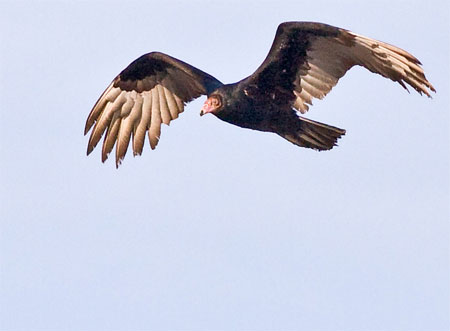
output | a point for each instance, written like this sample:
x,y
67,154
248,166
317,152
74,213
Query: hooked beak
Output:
x,y
207,108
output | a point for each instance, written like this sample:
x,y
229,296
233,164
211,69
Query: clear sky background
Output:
x,y
220,227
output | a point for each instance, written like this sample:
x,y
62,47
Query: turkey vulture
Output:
x,y
305,61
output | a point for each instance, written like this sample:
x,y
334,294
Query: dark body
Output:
x,y
249,107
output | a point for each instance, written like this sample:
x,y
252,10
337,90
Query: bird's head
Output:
x,y
213,104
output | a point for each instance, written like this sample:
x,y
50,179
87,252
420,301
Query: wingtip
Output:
x,y
118,162
432,89
154,142
105,157
87,127
89,150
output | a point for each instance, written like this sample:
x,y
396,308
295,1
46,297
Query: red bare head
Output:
x,y
211,105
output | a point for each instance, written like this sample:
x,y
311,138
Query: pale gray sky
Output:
x,y
220,227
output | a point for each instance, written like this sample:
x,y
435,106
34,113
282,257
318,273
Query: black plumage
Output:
x,y
305,61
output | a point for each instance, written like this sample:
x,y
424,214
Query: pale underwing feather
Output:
x,y
164,109
124,136
180,103
112,93
317,82
144,123
154,131
110,137
171,103
128,105
312,90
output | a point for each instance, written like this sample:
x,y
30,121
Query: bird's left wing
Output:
x,y
307,59
151,90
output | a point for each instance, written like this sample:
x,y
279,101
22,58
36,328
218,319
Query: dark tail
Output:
x,y
314,135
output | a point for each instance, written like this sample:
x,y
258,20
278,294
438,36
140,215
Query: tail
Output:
x,y
315,135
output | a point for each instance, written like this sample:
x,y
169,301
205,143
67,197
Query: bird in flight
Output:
x,y
305,61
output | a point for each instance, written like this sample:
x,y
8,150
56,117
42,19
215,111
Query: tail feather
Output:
x,y
315,135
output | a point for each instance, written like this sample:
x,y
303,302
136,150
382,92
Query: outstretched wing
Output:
x,y
307,59
151,90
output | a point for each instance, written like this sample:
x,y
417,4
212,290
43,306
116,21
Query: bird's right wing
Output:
x,y
151,90
307,60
